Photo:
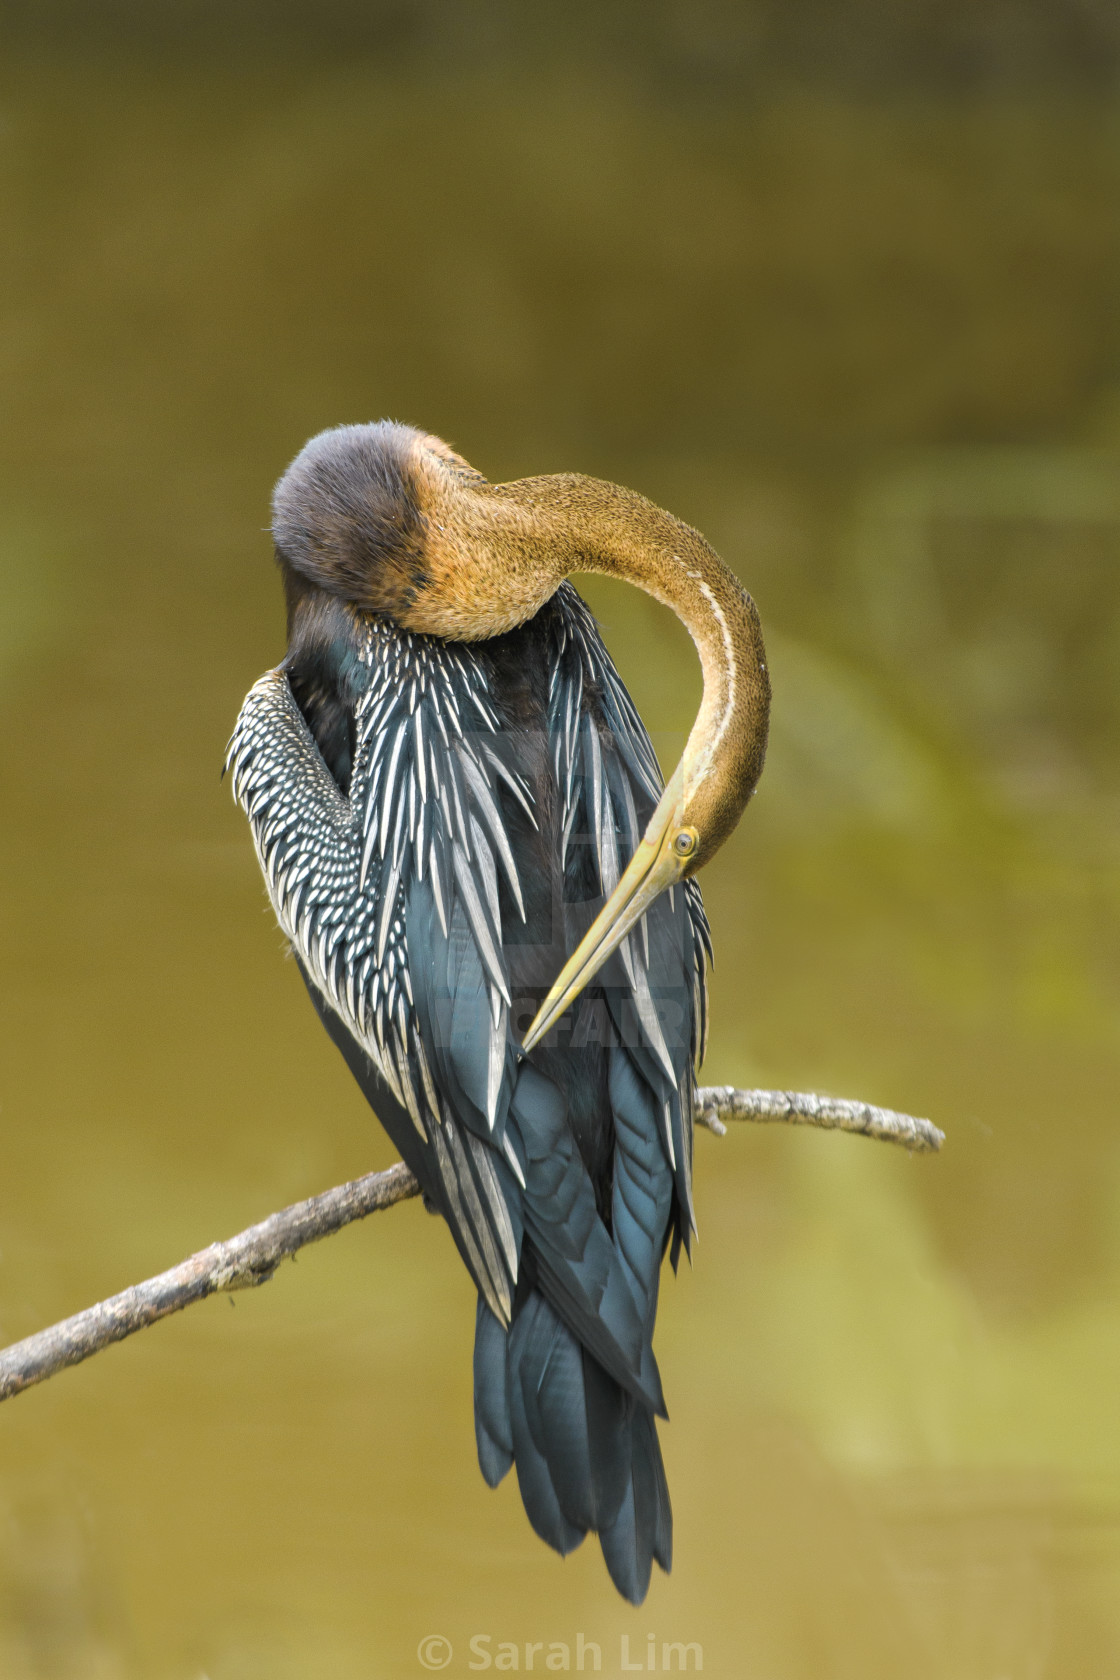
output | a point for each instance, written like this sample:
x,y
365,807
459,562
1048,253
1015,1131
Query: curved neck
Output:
x,y
589,525
392,521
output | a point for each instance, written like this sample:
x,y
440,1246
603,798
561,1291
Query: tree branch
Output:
x,y
251,1257
717,1103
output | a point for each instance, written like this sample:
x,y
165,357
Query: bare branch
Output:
x,y
253,1256
717,1103
241,1263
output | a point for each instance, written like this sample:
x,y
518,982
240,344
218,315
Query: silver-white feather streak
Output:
x,y
336,872
430,772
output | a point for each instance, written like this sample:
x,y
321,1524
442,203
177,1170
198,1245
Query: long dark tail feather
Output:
x,y
643,1529
541,1463
492,1427
586,1452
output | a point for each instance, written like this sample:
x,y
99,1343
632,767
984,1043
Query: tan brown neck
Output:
x,y
497,552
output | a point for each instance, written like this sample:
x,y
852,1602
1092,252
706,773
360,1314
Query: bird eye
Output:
x,y
684,842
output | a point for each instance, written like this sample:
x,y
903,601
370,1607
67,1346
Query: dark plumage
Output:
x,y
345,516
438,822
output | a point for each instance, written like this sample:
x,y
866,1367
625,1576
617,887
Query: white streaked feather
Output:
x,y
426,1077
497,1202
420,754
488,874
496,1059
495,828
513,782
452,782
647,1015
483,1224
478,920
594,752
388,905
437,889
367,854
400,1057
667,1122
390,787
511,1156
297,813
451,1185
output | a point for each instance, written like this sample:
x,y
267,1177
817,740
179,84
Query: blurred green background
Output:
x,y
839,285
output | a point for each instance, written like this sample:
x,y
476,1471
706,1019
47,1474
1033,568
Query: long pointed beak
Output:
x,y
655,866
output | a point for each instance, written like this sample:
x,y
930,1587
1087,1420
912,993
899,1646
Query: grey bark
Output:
x,y
250,1258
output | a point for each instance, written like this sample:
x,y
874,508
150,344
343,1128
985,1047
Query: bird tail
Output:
x,y
586,1452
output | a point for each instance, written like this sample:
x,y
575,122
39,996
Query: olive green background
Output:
x,y
838,285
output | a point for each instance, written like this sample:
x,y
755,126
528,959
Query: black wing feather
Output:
x,y
495,793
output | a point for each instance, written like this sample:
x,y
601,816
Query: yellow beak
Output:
x,y
658,863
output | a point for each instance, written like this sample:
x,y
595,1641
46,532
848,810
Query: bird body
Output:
x,y
439,820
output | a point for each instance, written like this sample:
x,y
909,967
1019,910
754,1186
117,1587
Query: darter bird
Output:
x,y
453,798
